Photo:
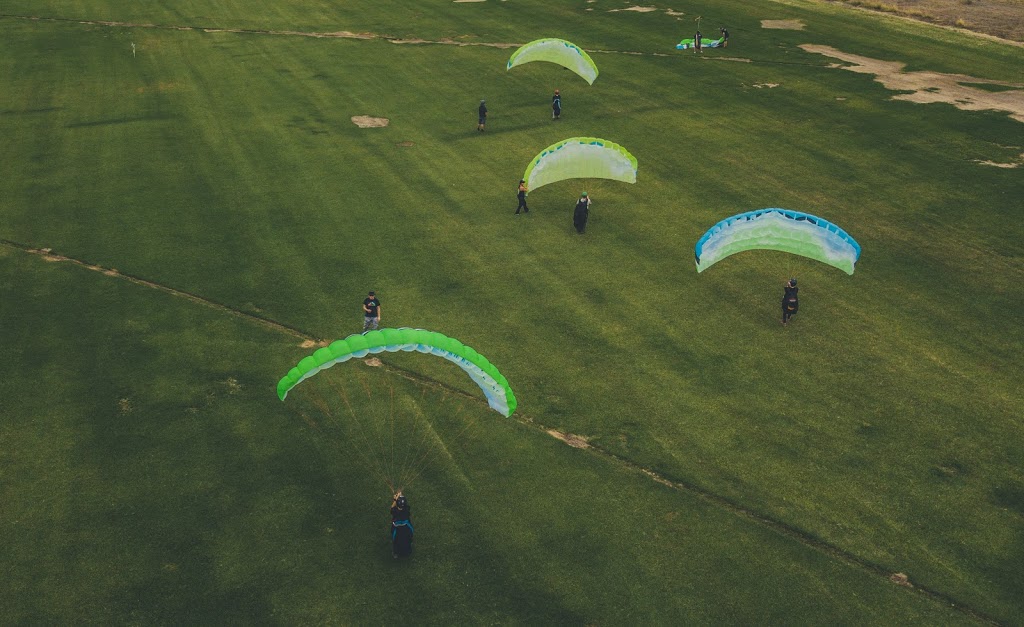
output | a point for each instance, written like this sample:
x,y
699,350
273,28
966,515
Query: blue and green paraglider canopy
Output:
x,y
778,229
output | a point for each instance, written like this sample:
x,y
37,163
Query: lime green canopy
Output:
x,y
581,158
494,385
558,51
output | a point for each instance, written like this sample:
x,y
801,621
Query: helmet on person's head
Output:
x,y
583,195
792,282
401,502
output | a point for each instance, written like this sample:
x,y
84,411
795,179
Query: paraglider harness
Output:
x,y
395,524
789,300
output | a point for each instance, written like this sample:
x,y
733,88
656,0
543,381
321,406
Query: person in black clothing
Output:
x,y
696,43
790,304
401,527
556,106
725,36
483,116
371,312
581,213
522,197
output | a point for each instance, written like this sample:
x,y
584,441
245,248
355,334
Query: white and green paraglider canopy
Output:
x,y
558,51
581,158
778,229
495,387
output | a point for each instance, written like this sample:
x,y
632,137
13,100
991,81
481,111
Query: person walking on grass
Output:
x,y
581,214
371,312
790,304
522,197
482,118
556,106
401,526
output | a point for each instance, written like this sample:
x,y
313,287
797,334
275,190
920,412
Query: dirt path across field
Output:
x,y
927,87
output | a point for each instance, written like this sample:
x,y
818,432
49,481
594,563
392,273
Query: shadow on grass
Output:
x,y
112,121
31,111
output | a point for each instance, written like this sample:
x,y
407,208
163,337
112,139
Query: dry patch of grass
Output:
x,y
1000,18
783,24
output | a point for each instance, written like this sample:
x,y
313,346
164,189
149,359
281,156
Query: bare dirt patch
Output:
x,y
124,405
45,254
635,8
738,59
365,121
783,24
671,12
766,85
900,579
373,362
344,34
234,387
996,164
575,441
307,344
927,87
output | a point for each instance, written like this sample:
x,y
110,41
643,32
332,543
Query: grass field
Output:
x,y
207,206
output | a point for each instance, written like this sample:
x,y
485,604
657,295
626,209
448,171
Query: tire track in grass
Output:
x,y
47,254
576,441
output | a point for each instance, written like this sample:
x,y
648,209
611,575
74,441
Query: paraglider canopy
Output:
x,y
778,229
581,157
558,51
686,44
493,384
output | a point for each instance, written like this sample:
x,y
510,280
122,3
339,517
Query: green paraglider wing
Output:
x,y
558,51
581,158
778,229
686,44
495,387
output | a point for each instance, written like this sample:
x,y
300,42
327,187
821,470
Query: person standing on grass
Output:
x,y
725,36
696,43
482,119
371,312
790,304
556,106
581,214
522,197
401,526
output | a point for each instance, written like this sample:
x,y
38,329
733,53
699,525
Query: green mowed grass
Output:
x,y
885,421
148,479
